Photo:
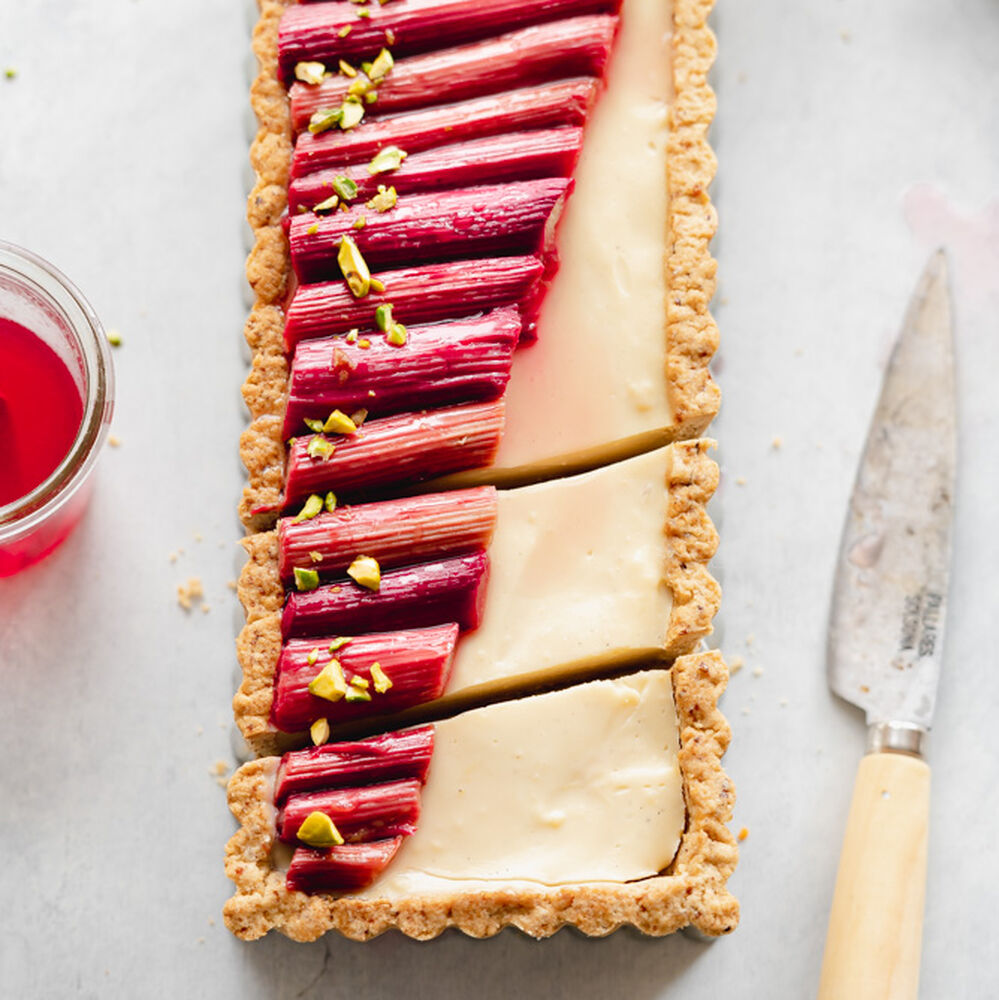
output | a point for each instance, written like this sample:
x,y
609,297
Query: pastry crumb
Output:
x,y
783,703
846,35
198,537
200,731
743,834
189,593
735,665
758,672
114,441
231,584
777,443
205,608
740,481
173,557
750,639
220,767
746,710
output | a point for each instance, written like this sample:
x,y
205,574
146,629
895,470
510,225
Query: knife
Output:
x,y
885,647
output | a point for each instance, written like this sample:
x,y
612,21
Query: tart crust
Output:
x,y
691,541
692,891
692,336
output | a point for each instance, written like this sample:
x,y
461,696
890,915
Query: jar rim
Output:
x,y
45,280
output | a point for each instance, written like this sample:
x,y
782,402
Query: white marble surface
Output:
x,y
853,138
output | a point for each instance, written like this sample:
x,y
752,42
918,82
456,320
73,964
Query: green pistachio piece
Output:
x,y
329,684
365,571
338,643
352,113
318,830
386,199
377,286
339,423
325,118
327,205
345,187
389,158
344,31
313,658
320,732
359,416
383,317
312,507
357,694
310,72
316,557
320,448
347,69
380,678
397,336
354,268
330,502
381,66
314,424
306,579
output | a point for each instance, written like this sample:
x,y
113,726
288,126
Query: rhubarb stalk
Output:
x,y
328,32
465,360
416,662
450,590
565,103
396,451
578,46
419,294
339,869
372,812
391,757
492,220
394,532
496,159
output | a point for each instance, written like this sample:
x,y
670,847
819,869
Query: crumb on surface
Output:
x,y
783,703
735,664
198,537
740,481
205,608
750,639
743,834
114,440
220,767
10,73
114,338
231,584
173,557
190,593
758,672
777,443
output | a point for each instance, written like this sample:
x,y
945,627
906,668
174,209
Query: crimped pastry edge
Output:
x,y
691,541
691,892
692,336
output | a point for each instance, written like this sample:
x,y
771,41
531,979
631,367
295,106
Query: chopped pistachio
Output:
x,y
385,199
316,557
360,682
354,268
10,73
318,830
365,571
381,66
319,731
310,72
389,158
313,229
114,338
327,205
329,684
359,223
345,187
347,69
351,113
338,643
397,336
351,337
359,416
380,678
389,33
370,96
377,286
360,87
330,502
357,694
306,579
344,31
325,118
311,508
313,658
364,13
339,423
315,425
383,317
364,343
319,447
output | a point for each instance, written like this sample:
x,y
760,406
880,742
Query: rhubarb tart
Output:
x,y
597,805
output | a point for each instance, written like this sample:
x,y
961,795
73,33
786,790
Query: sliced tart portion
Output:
x,y
584,788
474,586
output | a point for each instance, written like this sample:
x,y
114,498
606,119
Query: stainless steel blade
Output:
x,y
890,593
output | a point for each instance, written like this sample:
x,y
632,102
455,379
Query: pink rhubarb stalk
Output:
x,y
396,451
497,159
395,532
340,869
316,32
417,662
565,103
465,360
578,46
390,757
450,590
492,220
419,294
372,812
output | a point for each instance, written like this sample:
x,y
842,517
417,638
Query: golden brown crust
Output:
x,y
692,337
691,892
691,541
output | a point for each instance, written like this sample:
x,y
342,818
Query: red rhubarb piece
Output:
x,y
417,662
390,757
419,295
340,869
578,46
373,812
565,103
316,32
451,590
498,159
396,451
395,532
461,361
492,220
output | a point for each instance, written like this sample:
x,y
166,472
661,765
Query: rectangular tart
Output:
x,y
598,805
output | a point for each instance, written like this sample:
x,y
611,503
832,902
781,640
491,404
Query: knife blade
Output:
x,y
885,651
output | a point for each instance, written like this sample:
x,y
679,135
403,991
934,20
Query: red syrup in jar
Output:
x,y
41,410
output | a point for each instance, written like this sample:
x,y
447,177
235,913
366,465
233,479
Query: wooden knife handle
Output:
x,y
875,927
